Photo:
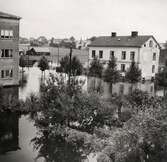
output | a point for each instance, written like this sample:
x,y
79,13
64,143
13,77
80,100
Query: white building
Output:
x,y
143,49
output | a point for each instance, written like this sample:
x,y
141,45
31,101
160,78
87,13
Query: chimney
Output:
x,y
113,34
134,33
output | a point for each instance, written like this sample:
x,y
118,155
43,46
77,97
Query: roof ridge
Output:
x,y
8,15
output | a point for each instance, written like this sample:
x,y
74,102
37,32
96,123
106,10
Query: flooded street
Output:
x,y
16,132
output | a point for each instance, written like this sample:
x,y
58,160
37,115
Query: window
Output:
x,y
121,89
8,34
123,55
111,54
153,68
154,56
132,55
123,67
6,53
100,54
6,73
11,73
93,53
2,73
151,43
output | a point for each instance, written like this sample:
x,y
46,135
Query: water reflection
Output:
x,y
120,88
9,131
9,93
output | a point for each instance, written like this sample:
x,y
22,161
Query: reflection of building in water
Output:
x,y
10,93
9,131
125,88
118,88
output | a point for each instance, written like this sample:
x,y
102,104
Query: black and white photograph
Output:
x,y
83,81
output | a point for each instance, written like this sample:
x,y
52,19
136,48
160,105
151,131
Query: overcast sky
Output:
x,y
86,18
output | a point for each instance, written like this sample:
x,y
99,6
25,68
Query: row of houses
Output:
x,y
143,49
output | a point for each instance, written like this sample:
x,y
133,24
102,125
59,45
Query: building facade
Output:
x,y
144,50
9,49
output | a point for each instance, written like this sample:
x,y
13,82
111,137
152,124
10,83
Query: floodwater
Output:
x,y
16,132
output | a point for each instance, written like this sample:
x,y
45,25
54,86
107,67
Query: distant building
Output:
x,y
39,51
53,54
83,44
9,49
143,49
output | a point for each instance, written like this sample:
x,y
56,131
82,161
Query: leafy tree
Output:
x,y
43,65
133,74
76,66
111,74
22,64
95,71
72,39
161,78
96,68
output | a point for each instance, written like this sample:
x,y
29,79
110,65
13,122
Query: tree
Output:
x,y
43,65
95,71
96,68
133,74
161,78
111,74
22,64
76,66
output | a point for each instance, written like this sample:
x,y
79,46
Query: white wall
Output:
x,y
117,54
146,54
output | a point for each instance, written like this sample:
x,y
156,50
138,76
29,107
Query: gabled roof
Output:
x,y
120,41
9,16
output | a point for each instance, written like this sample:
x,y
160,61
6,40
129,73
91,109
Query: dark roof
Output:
x,y
9,16
120,41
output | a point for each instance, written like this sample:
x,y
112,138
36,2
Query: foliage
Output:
x,y
66,118
71,125
76,66
161,77
22,62
96,68
111,74
43,64
133,74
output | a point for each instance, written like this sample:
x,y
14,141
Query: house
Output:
x,y
143,49
9,49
